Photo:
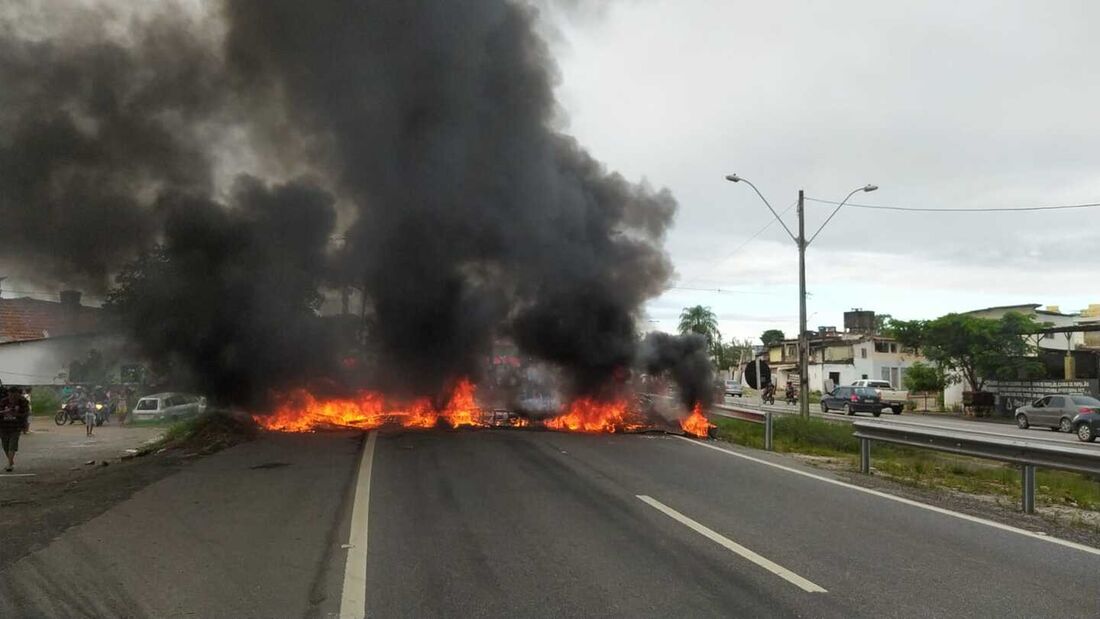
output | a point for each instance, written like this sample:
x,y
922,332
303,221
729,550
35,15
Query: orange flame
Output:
x,y
301,411
463,410
696,424
587,415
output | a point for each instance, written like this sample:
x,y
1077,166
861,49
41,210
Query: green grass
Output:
x,y
44,402
917,467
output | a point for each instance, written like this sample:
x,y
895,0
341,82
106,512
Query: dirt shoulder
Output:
x,y
63,478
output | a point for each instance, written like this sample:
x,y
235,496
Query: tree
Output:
x,y
732,354
700,320
981,348
883,323
926,377
772,336
909,333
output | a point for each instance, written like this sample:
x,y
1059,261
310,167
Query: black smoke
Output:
x,y
684,358
91,130
429,128
227,302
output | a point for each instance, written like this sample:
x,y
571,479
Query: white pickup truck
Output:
x,y
894,398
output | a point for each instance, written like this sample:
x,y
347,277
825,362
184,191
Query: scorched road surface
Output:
x,y
533,524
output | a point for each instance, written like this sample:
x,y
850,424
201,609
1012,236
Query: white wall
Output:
x,y
819,375
46,362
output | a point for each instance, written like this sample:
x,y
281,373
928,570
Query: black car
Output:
x,y
1086,424
853,400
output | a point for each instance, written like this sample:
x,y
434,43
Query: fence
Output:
x,y
1026,454
751,416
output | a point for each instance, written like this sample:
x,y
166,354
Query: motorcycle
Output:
x,y
768,397
792,396
103,412
74,411
70,412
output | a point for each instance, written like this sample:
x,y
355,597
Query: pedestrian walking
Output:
x,y
89,417
14,420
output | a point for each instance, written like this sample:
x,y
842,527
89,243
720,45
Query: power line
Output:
x,y
720,290
722,260
996,209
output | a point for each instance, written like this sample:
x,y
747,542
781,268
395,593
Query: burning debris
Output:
x,y
300,411
226,163
696,424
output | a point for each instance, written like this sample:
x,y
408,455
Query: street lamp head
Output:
x,y
733,178
870,187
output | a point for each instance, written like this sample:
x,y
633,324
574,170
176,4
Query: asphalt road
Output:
x,y
997,428
537,524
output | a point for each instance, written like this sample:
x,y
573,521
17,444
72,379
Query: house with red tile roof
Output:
x,y
26,319
40,339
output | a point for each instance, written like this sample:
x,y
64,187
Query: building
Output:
x,y
841,358
54,342
1067,354
1050,315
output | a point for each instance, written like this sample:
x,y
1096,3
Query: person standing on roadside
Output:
x,y
14,420
122,404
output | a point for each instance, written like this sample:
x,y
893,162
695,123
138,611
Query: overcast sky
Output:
x,y
942,104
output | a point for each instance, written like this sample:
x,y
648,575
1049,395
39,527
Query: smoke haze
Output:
x,y
425,134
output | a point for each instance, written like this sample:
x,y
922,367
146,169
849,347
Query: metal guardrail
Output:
x,y
1026,454
749,415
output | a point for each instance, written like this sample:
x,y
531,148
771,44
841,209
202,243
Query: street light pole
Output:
x,y
800,240
803,342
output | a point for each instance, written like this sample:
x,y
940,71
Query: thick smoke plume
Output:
x,y
431,136
685,359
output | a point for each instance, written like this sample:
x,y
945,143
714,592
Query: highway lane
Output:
x,y
535,524
545,524
954,423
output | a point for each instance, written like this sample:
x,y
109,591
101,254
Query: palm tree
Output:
x,y
700,320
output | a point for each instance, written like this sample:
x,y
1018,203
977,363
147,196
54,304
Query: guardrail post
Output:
x,y
1029,488
768,431
865,456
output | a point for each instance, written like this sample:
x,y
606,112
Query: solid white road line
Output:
x,y
353,600
931,508
18,474
733,546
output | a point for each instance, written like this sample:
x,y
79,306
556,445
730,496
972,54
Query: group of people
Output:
x,y
112,401
15,412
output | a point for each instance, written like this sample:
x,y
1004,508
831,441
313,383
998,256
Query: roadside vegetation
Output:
x,y
209,432
917,467
44,402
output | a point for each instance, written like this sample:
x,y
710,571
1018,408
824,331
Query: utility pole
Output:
x,y
803,342
800,240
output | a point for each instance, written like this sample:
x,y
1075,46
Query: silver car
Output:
x,y
1055,411
169,406
733,388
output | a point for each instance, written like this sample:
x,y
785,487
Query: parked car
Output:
x,y
1056,412
853,400
733,388
894,398
169,406
1086,424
